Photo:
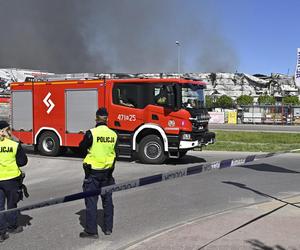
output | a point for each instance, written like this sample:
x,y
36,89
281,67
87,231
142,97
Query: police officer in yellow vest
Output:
x,y
99,146
12,156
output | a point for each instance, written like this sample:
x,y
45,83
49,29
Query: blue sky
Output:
x,y
264,33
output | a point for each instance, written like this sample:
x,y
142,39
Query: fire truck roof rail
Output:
x,y
58,77
94,76
188,76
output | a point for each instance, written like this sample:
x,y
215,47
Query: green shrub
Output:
x,y
292,100
244,100
224,101
266,100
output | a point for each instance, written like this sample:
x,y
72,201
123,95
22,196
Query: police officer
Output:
x,y
12,156
99,146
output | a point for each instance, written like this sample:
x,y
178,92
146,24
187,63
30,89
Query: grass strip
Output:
x,y
254,141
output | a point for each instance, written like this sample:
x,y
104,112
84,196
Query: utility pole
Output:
x,y
178,56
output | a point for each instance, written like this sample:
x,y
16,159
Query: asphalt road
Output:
x,y
145,211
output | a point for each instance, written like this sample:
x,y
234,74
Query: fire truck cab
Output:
x,y
155,117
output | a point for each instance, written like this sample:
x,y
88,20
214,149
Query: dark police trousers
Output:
x,y
9,191
96,180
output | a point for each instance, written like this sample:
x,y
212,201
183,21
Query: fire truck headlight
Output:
x,y
186,137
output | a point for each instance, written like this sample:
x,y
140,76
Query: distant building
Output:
x,y
230,84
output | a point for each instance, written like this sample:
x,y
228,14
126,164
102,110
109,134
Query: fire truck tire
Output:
x,y
48,144
151,150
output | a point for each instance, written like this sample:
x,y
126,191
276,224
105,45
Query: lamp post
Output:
x,y
178,56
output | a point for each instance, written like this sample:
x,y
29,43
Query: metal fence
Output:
x,y
269,114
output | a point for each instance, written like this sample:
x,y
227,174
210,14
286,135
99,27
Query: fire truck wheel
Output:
x,y
48,144
151,150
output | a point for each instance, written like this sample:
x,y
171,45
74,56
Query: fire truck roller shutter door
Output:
x,y
48,144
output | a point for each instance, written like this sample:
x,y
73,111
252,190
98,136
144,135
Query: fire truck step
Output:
x,y
124,150
174,154
124,146
124,156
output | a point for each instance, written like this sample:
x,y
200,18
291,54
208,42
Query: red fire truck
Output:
x,y
155,117
4,107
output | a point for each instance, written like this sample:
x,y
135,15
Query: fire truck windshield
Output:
x,y
192,96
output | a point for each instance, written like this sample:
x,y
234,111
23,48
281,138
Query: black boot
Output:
x,y
3,237
15,230
85,234
107,232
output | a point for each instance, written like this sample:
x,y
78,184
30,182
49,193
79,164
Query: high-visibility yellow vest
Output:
x,y
101,154
8,165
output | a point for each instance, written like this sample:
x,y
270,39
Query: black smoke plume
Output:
x,y
67,36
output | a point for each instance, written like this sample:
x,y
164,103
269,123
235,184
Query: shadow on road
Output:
x,y
258,245
185,160
24,220
68,153
255,243
243,186
270,168
71,154
244,225
82,218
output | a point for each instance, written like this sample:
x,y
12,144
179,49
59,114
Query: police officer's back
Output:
x,y
12,157
99,145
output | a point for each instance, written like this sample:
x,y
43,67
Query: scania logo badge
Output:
x,y
171,123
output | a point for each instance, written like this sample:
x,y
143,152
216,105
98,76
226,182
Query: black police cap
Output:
x,y
102,112
3,124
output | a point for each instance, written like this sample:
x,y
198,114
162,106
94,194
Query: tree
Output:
x,y
266,99
224,101
244,100
209,102
292,100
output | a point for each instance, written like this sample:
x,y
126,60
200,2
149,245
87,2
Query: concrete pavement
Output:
x,y
272,225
